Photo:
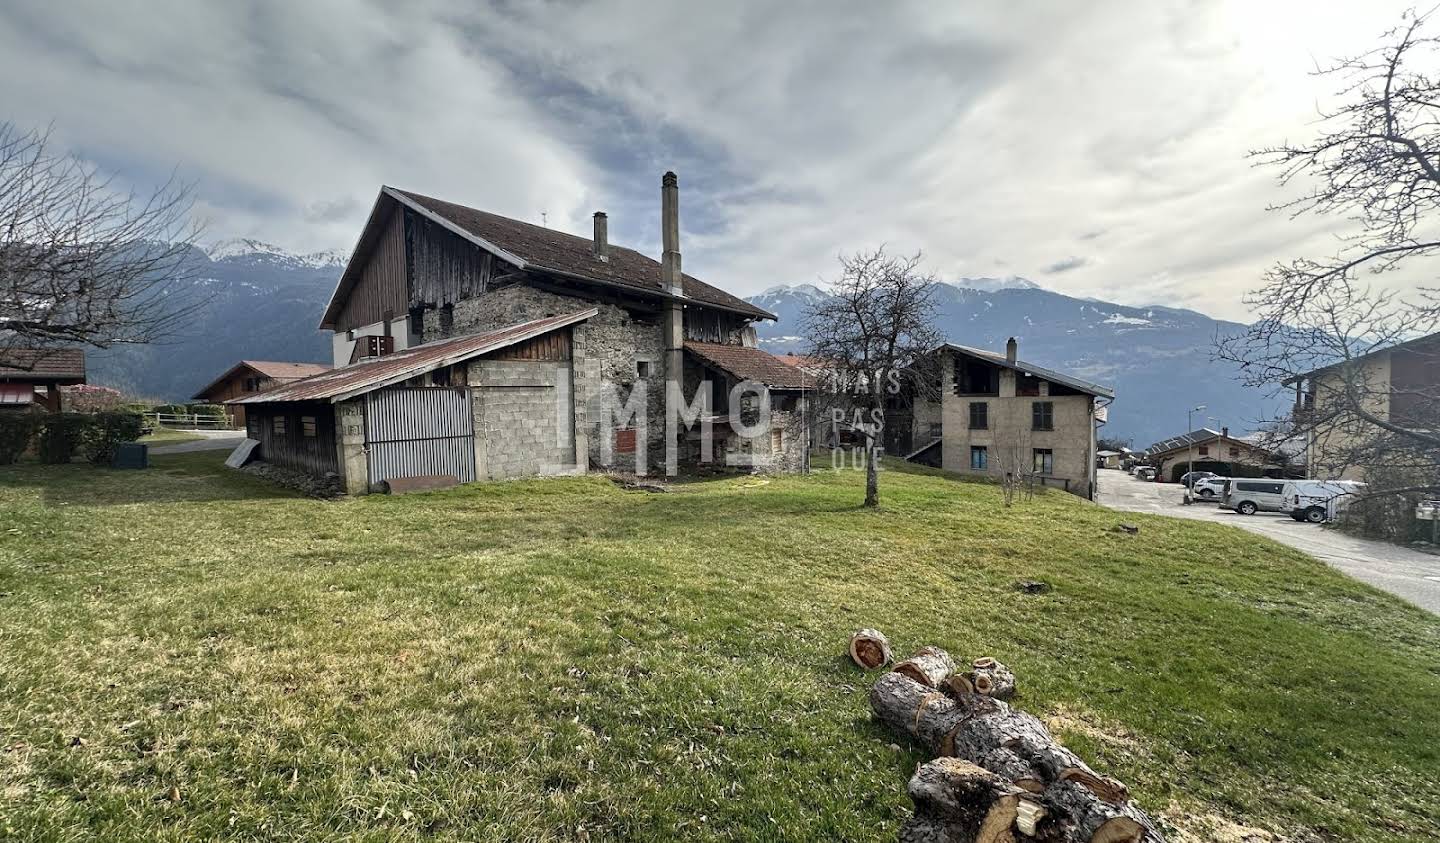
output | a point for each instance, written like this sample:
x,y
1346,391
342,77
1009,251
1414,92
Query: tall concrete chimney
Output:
x,y
670,273
1012,349
602,244
1225,432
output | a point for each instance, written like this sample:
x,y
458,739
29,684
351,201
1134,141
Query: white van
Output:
x,y
1248,496
1319,500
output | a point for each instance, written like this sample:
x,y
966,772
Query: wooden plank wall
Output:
x,y
313,454
382,286
444,268
718,326
552,346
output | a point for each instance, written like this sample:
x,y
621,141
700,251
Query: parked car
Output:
x,y
1209,488
1189,478
1145,472
1319,500
1248,497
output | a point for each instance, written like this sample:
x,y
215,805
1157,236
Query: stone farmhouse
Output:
x,y
999,415
476,346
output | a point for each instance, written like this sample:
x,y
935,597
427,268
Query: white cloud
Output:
x,y
1018,137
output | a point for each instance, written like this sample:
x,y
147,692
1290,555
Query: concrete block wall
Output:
x,y
524,418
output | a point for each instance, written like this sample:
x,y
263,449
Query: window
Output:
x,y
277,425
307,426
979,415
936,430
979,458
625,441
1044,461
1042,415
976,378
252,384
440,377
1203,450
1234,453
643,368
777,440
1027,384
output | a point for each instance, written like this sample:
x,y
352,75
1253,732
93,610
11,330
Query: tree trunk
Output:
x,y
930,666
991,678
870,649
872,470
1079,805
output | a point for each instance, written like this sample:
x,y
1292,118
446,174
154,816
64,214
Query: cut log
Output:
x,y
912,709
1095,820
989,677
870,649
1055,763
930,666
969,804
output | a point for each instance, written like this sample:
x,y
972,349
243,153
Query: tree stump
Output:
x,y
930,666
870,649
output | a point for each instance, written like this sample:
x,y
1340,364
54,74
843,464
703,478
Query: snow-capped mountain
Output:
x,y
246,250
991,285
1158,359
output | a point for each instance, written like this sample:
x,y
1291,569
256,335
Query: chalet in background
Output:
x,y
1210,450
477,346
31,377
999,415
249,377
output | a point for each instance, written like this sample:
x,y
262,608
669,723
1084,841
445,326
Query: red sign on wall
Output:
x,y
625,441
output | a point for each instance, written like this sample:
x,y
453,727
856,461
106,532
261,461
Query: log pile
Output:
x,y
998,775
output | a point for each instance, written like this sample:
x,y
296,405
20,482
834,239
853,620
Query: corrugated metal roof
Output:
x,y
65,365
349,381
753,364
1037,371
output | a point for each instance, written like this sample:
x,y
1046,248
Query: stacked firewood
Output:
x,y
998,776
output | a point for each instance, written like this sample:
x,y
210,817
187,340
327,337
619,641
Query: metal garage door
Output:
x,y
414,432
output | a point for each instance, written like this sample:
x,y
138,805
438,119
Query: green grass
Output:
x,y
562,659
166,436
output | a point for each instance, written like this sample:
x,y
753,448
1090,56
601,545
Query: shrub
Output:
x,y
215,410
17,428
60,435
89,398
107,432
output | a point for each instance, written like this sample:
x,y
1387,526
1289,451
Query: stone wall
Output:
x,y
609,348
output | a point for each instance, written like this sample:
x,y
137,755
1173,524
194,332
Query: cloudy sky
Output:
x,y
1097,148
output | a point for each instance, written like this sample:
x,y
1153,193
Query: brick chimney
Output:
x,y
670,273
602,243
1012,349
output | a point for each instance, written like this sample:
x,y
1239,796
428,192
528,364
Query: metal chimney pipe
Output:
x,y
670,272
602,244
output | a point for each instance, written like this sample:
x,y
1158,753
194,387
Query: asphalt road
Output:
x,y
1409,574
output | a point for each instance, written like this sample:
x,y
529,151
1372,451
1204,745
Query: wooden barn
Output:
x,y
482,406
250,377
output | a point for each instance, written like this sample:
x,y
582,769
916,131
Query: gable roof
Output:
x,y
265,368
1197,437
1030,368
535,248
1428,344
60,365
753,364
349,381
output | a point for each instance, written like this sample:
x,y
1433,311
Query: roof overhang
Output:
x,y
229,373
1086,387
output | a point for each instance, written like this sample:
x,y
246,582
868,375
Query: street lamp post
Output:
x,y
1189,429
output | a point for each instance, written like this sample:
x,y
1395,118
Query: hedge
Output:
x,y
17,429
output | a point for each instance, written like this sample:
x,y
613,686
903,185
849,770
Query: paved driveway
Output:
x,y
215,440
1406,573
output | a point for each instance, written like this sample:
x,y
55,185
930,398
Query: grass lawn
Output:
x,y
562,659
165,436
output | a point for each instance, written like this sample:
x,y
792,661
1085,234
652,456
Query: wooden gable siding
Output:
x,y
553,346
293,449
382,287
444,268
705,325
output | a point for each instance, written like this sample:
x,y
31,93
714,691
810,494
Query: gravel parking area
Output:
x,y
1410,574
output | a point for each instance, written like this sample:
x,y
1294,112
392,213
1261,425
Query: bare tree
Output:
x,y
82,262
1376,162
876,329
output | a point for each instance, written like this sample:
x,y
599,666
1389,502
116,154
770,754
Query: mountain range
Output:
x,y
257,301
